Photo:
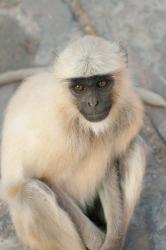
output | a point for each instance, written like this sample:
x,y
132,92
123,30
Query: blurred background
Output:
x,y
33,32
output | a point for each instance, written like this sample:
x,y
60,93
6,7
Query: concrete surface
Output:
x,y
32,32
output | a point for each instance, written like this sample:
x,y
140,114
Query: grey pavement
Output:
x,y
33,32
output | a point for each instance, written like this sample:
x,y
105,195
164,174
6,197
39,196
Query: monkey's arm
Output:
x,y
91,235
147,96
119,201
132,170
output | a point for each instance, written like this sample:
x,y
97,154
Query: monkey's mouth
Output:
x,y
96,117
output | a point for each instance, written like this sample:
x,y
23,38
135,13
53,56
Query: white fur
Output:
x,y
90,56
45,136
98,127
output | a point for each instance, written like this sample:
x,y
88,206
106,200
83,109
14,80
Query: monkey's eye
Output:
x,y
102,84
79,87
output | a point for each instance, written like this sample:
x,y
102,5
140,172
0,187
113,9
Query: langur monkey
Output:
x,y
71,135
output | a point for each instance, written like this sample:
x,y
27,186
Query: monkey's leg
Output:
x,y
118,215
91,235
111,199
40,222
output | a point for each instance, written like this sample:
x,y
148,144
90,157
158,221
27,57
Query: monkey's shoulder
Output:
x,y
33,102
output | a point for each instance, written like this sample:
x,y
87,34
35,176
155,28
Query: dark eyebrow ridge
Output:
x,y
93,78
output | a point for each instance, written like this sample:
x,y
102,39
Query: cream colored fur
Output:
x,y
45,136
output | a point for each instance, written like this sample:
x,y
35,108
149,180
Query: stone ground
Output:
x,y
32,32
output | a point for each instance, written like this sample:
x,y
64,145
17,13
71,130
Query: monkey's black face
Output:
x,y
93,96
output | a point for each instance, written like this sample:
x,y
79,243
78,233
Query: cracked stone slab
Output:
x,y
9,3
56,24
38,30
14,42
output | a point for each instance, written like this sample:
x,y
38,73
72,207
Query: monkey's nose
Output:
x,y
93,102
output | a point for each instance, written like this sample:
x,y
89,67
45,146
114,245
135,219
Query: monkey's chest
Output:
x,y
78,172
80,178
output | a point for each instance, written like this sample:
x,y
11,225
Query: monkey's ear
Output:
x,y
124,52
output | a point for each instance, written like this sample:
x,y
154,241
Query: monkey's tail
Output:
x,y
150,97
40,222
19,75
